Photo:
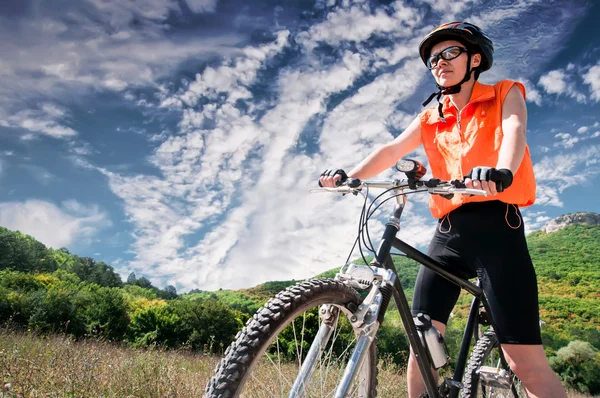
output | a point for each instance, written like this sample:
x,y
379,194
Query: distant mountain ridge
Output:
x,y
579,218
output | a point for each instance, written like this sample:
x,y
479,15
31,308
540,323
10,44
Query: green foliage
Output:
x,y
104,311
168,293
55,310
19,281
392,343
567,263
23,253
133,291
206,325
55,291
571,253
154,325
578,365
269,289
244,301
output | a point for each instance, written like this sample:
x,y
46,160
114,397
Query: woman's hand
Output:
x,y
489,179
331,178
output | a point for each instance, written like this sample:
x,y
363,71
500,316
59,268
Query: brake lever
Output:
x,y
458,184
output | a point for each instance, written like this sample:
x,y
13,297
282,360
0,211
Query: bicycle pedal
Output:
x,y
495,377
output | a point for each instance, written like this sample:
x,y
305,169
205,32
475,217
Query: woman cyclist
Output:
x,y
476,132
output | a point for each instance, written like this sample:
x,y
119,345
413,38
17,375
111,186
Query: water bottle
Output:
x,y
432,339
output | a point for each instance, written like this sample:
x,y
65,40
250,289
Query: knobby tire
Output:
x,y
286,308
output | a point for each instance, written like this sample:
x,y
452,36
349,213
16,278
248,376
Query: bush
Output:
x,y
578,365
55,310
393,344
206,325
105,311
154,325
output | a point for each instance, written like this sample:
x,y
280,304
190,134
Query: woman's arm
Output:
x,y
386,156
514,128
512,148
383,157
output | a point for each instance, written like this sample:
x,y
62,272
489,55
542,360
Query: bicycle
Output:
x,y
319,336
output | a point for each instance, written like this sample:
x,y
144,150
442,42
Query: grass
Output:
x,y
56,366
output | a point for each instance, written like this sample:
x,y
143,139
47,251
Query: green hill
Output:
x,y
53,291
567,263
568,268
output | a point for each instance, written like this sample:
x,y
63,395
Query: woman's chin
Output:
x,y
447,82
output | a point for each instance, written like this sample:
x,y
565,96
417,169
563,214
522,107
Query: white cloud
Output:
x,y
229,206
230,79
52,225
534,220
532,94
592,78
450,8
556,173
98,50
202,6
566,140
554,82
561,83
358,22
47,120
270,186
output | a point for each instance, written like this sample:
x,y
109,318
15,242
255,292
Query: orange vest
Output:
x,y
455,147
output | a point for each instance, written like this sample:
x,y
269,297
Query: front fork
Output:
x,y
364,320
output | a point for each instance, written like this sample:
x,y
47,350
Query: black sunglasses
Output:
x,y
447,54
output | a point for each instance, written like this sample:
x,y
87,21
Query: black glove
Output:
x,y
332,173
502,177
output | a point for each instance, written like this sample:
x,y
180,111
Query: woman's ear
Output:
x,y
475,60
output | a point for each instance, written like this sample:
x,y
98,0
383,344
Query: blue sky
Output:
x,y
179,138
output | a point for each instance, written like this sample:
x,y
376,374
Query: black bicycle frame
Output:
x,y
384,258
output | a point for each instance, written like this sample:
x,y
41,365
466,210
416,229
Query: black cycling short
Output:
x,y
484,239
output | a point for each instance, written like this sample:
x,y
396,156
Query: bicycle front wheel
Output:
x,y
486,376
269,352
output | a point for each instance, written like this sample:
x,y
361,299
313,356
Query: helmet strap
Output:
x,y
455,89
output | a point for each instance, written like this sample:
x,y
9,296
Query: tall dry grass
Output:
x,y
55,366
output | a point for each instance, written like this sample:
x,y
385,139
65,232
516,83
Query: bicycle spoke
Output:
x,y
279,366
253,376
302,339
296,341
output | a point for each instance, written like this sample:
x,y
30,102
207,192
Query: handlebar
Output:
x,y
434,186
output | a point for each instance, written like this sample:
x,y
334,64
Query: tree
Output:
x,y
144,283
131,279
169,293
578,365
23,253
105,275
55,310
155,325
105,311
206,325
